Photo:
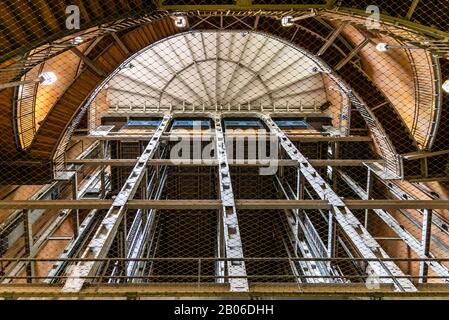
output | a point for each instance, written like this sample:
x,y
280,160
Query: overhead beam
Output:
x,y
28,232
174,136
232,163
425,244
366,245
215,204
101,241
88,62
423,154
352,54
333,36
122,46
215,289
412,9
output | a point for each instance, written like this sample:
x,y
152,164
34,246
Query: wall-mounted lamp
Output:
x,y
180,21
384,47
286,21
46,78
445,86
77,40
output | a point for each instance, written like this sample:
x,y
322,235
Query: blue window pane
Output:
x,y
291,123
143,123
242,124
191,123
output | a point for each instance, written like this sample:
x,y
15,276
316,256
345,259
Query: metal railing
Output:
x,y
199,271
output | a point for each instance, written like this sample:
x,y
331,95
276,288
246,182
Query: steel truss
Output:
x,y
360,237
421,249
102,240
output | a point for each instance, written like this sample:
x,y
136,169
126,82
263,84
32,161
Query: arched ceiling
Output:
x,y
45,141
42,21
224,68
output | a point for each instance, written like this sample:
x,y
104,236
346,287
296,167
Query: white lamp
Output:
x,y
382,47
180,21
445,86
47,78
285,21
77,40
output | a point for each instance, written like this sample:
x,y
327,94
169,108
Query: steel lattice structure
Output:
x,y
224,148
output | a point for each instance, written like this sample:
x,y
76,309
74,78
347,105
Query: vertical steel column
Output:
x,y
369,189
332,234
103,153
362,240
332,223
105,234
75,212
28,233
425,244
231,232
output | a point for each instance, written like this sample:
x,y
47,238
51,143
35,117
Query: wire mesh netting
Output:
x,y
228,148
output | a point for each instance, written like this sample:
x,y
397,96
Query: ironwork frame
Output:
x,y
102,239
231,230
366,245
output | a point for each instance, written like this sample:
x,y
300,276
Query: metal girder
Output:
x,y
406,236
103,237
400,193
88,62
425,244
423,154
251,163
360,237
35,246
174,136
352,54
307,246
71,248
28,231
215,204
216,290
231,231
334,35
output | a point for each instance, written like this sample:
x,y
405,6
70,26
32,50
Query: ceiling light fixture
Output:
x,y
445,86
286,21
384,47
47,78
77,40
180,21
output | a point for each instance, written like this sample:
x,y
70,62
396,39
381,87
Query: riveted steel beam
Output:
x,y
406,236
231,231
360,237
103,237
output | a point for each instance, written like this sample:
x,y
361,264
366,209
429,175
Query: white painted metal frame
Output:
x,y
422,251
231,231
362,240
102,240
